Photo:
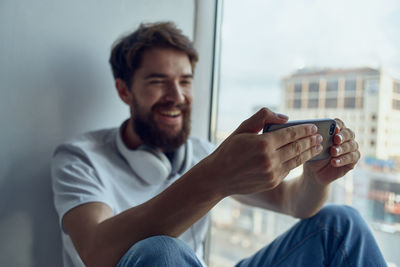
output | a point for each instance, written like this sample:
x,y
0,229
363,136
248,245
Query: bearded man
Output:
x,y
140,194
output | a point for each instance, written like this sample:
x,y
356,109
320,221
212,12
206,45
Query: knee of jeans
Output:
x,y
154,249
340,214
158,245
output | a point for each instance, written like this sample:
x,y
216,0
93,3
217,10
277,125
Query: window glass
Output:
x,y
313,103
396,87
313,89
350,85
396,104
350,102
332,88
297,89
297,103
331,103
350,88
298,58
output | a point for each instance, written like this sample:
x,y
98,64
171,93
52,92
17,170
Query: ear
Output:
x,y
123,91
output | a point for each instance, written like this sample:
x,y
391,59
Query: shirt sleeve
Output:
x,y
74,180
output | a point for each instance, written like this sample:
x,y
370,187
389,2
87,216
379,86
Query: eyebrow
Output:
x,y
161,75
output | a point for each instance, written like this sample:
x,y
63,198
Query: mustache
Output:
x,y
183,107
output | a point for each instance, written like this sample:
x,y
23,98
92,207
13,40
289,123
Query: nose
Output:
x,y
175,93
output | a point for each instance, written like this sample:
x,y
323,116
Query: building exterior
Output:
x,y
366,99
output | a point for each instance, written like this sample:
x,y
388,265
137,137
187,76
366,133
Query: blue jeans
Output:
x,y
335,236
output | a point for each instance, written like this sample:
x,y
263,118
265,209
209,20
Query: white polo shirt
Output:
x,y
91,168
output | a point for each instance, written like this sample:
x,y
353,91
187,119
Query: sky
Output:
x,y
265,40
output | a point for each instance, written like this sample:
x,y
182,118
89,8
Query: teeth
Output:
x,y
171,113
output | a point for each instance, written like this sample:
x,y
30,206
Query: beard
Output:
x,y
151,134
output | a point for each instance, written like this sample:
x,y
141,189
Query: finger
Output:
x,y
303,157
340,123
346,159
295,148
290,134
344,148
256,123
343,136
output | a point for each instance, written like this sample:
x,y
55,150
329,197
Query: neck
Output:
x,y
130,138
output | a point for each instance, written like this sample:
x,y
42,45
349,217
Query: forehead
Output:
x,y
165,60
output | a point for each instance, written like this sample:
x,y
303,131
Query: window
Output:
x,y
266,45
297,103
350,102
372,86
331,103
313,89
396,104
313,103
332,88
396,87
297,90
350,87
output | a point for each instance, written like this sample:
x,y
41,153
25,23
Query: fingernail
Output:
x,y
319,138
338,150
314,129
318,148
282,116
340,137
337,161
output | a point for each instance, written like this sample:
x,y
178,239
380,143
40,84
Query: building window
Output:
x,y
372,143
349,102
313,103
373,130
372,86
297,103
350,86
332,88
373,117
396,104
396,87
331,103
297,90
313,89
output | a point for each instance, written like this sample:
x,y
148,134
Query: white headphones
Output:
x,y
152,165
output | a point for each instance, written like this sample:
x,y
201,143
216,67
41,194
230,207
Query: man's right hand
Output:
x,y
248,162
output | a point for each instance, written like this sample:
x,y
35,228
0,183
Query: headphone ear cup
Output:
x,y
151,165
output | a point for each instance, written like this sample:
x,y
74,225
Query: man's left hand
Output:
x,y
344,156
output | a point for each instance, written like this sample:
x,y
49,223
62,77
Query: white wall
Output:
x,y
55,82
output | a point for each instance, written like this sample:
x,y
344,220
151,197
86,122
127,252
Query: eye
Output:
x,y
186,82
156,81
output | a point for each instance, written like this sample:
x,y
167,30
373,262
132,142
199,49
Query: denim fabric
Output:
x,y
335,236
160,251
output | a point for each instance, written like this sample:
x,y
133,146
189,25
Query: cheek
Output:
x,y
149,97
189,95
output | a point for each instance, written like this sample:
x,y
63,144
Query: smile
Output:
x,y
172,113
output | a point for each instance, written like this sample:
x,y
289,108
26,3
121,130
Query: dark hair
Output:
x,y
126,54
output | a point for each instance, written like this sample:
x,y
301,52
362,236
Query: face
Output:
x,y
162,98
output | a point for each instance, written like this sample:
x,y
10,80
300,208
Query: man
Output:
x,y
140,195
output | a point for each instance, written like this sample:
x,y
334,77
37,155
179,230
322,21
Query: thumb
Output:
x,y
256,123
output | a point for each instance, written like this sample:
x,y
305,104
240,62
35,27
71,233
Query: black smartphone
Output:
x,y
326,128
